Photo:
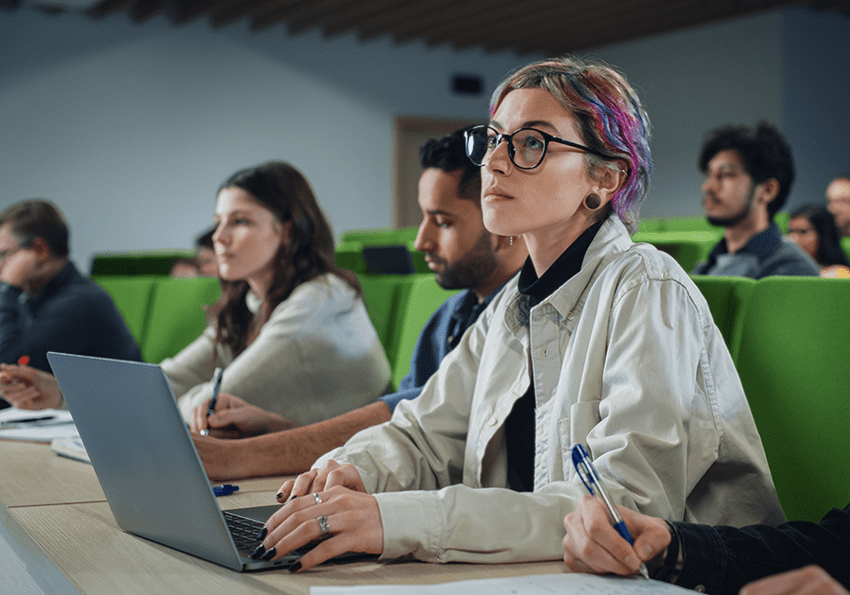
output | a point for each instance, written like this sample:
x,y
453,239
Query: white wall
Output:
x,y
695,80
130,128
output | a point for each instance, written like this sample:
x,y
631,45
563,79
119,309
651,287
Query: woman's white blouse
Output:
x,y
624,357
316,357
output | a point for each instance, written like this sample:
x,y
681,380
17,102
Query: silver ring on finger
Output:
x,y
317,497
323,525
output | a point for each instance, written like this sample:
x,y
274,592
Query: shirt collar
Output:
x,y
561,271
762,244
610,242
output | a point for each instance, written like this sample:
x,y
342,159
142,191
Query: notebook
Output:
x,y
147,464
388,260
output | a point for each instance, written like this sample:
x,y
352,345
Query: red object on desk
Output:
x,y
24,360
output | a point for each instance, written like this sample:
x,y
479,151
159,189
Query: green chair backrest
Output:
x,y
379,237
727,299
132,295
686,247
781,219
386,298
845,245
424,297
177,315
794,363
349,255
687,223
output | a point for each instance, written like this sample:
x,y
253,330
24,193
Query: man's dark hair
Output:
x,y
37,218
763,151
449,155
205,239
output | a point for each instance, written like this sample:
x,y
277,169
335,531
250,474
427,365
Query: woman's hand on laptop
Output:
x,y
235,418
342,518
29,388
323,478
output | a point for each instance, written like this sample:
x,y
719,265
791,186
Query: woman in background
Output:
x,y
290,329
813,228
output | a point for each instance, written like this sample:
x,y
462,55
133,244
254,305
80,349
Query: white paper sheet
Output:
x,y
540,584
59,426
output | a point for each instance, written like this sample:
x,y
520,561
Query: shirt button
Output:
x,y
493,421
570,316
700,588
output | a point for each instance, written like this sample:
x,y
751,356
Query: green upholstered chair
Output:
x,y
781,219
794,363
132,295
688,223
686,247
386,299
727,299
349,255
423,298
845,245
177,315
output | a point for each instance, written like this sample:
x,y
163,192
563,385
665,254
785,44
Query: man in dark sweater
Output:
x,y
45,304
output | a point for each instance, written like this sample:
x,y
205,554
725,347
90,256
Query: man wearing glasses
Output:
x,y
45,304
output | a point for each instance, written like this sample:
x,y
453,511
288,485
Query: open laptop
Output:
x,y
147,464
388,260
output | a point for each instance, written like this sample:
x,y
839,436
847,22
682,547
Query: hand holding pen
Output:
x,y
594,485
216,388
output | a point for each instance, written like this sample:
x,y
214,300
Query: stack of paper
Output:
x,y
38,426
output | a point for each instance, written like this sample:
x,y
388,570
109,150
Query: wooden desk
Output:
x,y
60,525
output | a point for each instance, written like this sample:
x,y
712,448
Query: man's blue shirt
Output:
x,y
439,336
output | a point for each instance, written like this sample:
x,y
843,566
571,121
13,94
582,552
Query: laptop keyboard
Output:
x,y
244,532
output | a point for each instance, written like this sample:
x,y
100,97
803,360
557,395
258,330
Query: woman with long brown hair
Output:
x,y
290,329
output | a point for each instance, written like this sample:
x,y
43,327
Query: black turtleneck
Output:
x,y
519,427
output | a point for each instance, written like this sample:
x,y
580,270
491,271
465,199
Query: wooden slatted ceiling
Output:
x,y
525,26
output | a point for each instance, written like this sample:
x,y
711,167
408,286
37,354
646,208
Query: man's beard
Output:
x,y
471,270
735,218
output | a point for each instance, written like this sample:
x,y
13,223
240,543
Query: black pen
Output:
x,y
216,387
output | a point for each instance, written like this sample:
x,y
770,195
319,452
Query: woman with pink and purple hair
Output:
x,y
598,340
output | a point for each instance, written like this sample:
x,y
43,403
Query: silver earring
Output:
x,y
511,240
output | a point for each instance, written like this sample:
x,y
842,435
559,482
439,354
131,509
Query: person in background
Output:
x,y
290,329
46,304
838,203
576,348
748,174
717,560
205,258
184,268
462,254
812,227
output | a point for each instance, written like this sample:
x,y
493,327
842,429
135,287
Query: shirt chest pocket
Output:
x,y
584,416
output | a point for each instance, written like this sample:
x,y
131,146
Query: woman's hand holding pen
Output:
x,y
328,504
235,418
28,388
593,545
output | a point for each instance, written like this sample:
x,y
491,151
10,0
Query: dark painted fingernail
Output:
x,y
261,549
262,534
269,554
295,567
279,496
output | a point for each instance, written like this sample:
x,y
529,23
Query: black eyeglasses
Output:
x,y
526,147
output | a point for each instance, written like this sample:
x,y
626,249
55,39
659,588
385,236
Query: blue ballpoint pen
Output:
x,y
589,477
216,388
